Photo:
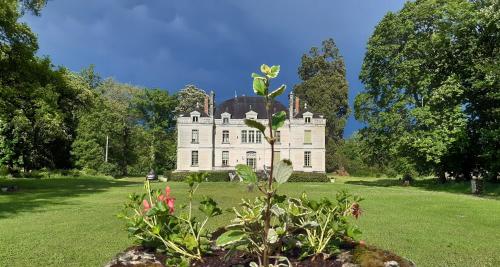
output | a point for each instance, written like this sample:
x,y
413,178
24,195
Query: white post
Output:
x,y
107,145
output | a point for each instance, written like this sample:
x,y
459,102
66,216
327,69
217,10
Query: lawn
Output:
x,y
72,221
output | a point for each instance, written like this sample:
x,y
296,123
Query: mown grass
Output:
x,y
72,221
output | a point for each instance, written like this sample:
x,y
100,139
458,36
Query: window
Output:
x,y
277,135
195,118
252,159
243,136
258,137
307,158
194,137
307,137
225,158
225,120
308,119
225,137
194,158
277,156
251,136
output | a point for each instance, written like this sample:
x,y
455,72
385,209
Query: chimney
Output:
x,y
297,105
290,105
212,103
205,105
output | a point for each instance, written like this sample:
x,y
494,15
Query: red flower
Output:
x,y
169,201
146,205
356,210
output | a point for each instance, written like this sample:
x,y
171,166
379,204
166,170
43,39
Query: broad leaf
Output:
x,y
282,171
272,236
278,91
230,237
255,124
278,120
265,69
246,173
275,70
259,86
255,75
276,210
209,207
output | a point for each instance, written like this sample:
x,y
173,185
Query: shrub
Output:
x,y
4,171
212,176
313,177
109,169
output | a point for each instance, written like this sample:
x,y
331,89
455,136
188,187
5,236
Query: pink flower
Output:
x,y
169,201
146,205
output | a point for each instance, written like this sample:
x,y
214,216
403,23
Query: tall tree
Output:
x,y
189,97
325,90
432,88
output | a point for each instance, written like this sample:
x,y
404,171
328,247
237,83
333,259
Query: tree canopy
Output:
x,y
432,97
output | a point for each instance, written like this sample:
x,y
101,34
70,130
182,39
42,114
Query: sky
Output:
x,y
214,45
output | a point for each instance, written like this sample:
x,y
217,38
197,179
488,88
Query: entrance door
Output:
x,y
252,159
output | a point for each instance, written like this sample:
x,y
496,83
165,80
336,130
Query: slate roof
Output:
x,y
240,105
199,109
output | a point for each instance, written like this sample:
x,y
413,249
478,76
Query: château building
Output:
x,y
215,139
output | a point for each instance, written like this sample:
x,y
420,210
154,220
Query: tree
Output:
x,y
188,98
155,110
325,90
431,94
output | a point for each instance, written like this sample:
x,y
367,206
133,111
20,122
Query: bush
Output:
x,y
212,176
313,177
4,171
109,169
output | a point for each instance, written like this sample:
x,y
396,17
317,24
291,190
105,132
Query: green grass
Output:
x,y
72,222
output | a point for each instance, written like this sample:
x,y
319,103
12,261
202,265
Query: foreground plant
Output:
x,y
152,220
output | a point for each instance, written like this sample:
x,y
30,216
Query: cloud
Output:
x,y
214,44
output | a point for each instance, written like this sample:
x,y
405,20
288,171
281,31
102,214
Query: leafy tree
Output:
x,y
325,90
431,94
188,98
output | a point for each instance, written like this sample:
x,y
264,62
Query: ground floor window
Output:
x,y
194,158
252,159
225,158
307,159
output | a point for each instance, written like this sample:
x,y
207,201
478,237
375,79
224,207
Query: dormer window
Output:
x,y
307,120
225,120
307,117
195,118
251,115
225,117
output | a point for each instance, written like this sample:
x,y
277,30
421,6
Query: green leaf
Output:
x,y
278,91
246,173
282,171
255,75
272,236
230,237
275,70
265,69
255,124
209,207
259,86
278,119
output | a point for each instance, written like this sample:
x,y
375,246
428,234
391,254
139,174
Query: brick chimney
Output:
x,y
205,104
297,105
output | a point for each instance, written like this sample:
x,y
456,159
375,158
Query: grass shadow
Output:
x,y
491,190
35,194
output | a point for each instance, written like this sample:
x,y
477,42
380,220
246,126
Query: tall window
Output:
x,y
277,156
225,137
243,136
194,158
225,158
251,136
277,135
307,158
258,137
307,137
252,159
195,118
308,120
194,136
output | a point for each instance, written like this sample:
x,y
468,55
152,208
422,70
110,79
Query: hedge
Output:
x,y
212,176
312,177
223,176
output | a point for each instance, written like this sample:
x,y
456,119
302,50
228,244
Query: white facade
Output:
x,y
210,143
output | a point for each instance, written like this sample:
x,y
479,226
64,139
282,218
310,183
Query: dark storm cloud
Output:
x,y
213,44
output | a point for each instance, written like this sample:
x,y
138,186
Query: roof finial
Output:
x,y
250,107
305,105
197,104
235,95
